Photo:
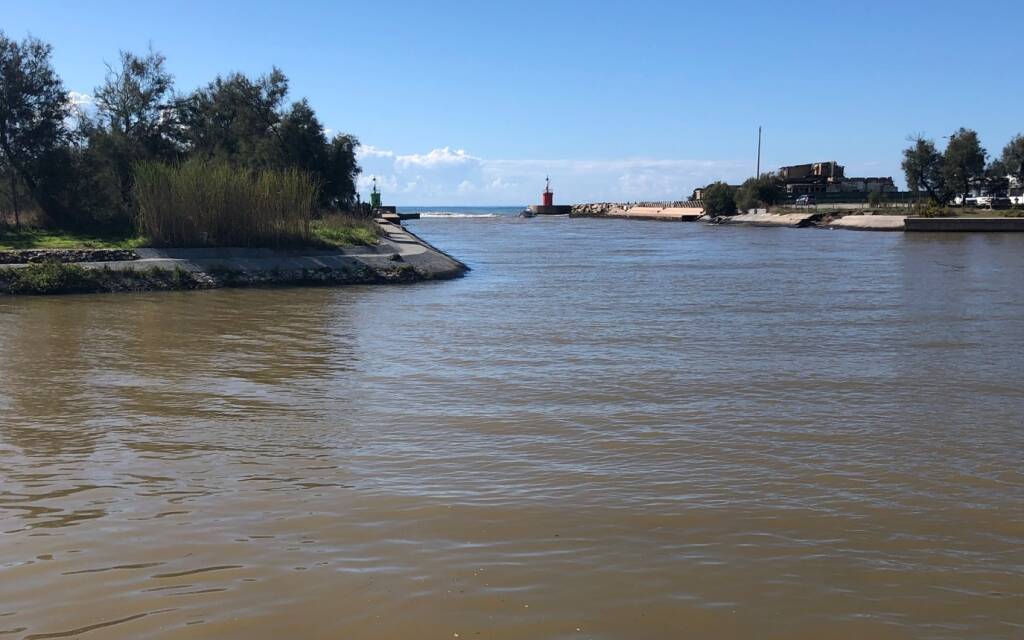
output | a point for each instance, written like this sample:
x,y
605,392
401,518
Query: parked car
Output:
x,y
805,200
999,202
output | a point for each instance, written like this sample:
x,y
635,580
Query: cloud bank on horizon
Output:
x,y
447,176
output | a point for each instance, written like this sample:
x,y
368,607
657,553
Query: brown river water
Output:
x,y
609,429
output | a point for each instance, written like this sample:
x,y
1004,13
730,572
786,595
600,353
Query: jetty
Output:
x,y
547,206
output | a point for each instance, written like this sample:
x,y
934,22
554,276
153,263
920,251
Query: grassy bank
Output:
x,y
340,230
336,230
55,278
25,238
52,278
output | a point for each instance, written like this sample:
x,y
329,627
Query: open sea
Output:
x,y
608,429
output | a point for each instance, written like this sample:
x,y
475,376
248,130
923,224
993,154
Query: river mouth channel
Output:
x,y
608,429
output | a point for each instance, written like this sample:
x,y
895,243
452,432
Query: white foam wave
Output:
x,y
452,214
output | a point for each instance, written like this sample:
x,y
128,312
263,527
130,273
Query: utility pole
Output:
x,y
758,174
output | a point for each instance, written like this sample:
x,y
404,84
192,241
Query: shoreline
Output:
x,y
855,220
399,256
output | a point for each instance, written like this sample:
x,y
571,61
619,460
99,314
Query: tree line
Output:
x,y
963,165
78,167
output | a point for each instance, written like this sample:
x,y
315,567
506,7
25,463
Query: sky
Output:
x,y
474,103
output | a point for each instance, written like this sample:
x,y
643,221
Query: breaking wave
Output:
x,y
453,214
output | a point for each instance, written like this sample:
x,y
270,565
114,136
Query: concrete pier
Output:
x,y
550,209
965,224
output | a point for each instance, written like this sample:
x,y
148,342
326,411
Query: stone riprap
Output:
x,y
638,211
32,256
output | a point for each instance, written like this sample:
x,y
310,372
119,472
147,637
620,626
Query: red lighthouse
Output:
x,y
548,208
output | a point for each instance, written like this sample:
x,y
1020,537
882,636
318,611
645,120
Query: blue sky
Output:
x,y
473,103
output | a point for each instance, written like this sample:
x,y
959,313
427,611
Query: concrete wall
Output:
x,y
964,224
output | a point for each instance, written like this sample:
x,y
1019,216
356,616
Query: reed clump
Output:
x,y
204,202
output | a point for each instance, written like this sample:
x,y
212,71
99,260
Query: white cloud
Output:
x,y
437,158
82,100
370,151
453,176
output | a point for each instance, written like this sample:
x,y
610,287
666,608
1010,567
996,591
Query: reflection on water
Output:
x,y
608,430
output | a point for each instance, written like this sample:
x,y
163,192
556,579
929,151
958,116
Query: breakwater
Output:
x,y
399,256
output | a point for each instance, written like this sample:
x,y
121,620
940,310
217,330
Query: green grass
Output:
x,y
338,230
25,238
331,231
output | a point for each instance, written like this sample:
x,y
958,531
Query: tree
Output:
x,y
33,110
1013,158
135,100
303,143
339,184
923,168
995,179
134,120
719,199
235,118
11,185
763,190
963,162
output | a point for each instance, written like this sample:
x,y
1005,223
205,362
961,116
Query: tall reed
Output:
x,y
214,203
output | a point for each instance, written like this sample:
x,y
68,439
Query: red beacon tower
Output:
x,y
547,206
548,197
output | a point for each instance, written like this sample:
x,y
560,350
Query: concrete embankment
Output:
x,y
965,224
867,223
399,256
770,219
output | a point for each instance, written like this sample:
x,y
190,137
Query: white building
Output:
x,y
1016,191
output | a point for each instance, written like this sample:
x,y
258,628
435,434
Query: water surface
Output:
x,y
609,429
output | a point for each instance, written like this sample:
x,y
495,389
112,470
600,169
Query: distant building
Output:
x,y
1016,191
815,173
829,177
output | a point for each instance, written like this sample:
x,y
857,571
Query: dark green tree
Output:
x,y
995,179
33,110
235,118
963,163
301,138
134,122
757,192
339,179
719,199
1013,158
923,168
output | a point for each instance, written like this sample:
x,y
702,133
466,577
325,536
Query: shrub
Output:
x,y
719,200
214,203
